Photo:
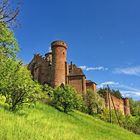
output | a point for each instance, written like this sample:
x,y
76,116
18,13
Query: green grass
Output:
x,y
46,123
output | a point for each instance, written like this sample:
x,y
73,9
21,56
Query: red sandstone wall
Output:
x,y
76,82
126,106
59,55
40,69
45,74
118,103
84,88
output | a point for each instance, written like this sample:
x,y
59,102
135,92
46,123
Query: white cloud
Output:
x,y
127,91
128,71
110,83
100,68
130,93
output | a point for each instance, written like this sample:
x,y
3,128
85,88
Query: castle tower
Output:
x,y
126,106
59,58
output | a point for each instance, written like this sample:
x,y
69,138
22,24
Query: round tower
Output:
x,y
59,58
126,106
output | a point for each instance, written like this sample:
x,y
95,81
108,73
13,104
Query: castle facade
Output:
x,y
54,70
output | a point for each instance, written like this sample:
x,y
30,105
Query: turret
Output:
x,y
126,106
59,57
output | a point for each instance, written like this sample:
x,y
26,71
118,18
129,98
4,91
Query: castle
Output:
x,y
54,70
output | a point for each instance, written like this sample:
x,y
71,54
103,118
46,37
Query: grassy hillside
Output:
x,y
46,123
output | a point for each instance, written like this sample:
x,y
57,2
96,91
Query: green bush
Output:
x,y
2,102
134,107
94,103
47,94
132,124
65,98
81,103
16,84
105,115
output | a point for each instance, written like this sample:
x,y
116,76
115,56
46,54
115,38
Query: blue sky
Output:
x,y
103,37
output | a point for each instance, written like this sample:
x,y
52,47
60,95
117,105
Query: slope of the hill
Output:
x,y
46,123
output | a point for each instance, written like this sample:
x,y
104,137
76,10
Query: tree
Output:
x,y
134,107
16,84
116,93
8,44
94,102
65,98
8,14
102,92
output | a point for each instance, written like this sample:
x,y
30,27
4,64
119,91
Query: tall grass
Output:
x,y
46,123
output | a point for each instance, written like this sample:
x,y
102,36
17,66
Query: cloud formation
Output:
x,y
128,71
100,68
127,91
110,83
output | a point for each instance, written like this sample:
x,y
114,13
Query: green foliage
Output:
x,y
81,106
105,115
8,44
94,103
2,102
116,93
132,124
102,92
65,98
134,107
128,122
47,93
16,84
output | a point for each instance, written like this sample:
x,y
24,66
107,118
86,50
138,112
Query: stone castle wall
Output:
x,y
78,83
120,104
54,70
59,58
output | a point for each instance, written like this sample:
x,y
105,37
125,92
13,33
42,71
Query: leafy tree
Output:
x,y
8,16
132,124
49,90
8,44
116,93
94,102
16,84
102,92
105,115
137,108
81,106
134,107
65,98
47,94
